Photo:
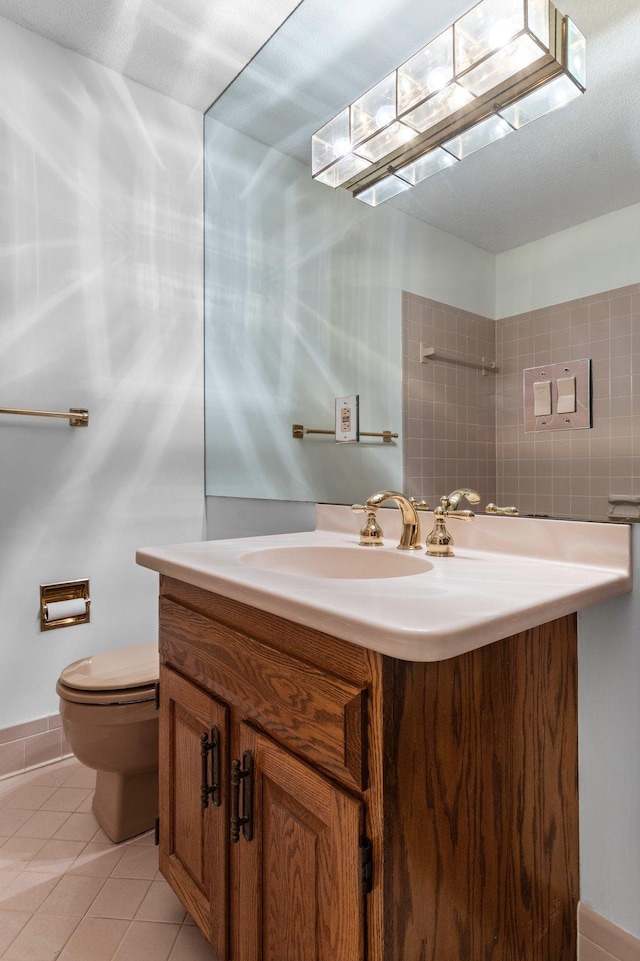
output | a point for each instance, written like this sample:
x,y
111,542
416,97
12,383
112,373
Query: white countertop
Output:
x,y
508,574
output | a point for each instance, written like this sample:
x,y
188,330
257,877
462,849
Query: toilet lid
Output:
x,y
120,669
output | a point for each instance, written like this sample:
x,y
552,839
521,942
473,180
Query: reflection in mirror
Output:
x,y
525,252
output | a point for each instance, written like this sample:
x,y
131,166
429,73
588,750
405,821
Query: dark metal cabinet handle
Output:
x,y
210,746
242,775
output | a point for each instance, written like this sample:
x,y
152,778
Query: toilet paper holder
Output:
x,y
64,604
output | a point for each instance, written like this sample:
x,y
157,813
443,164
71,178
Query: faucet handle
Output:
x,y
494,509
451,502
460,515
419,505
371,534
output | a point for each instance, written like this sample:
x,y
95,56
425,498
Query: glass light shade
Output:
x,y
554,94
488,26
330,142
460,75
426,166
395,135
438,107
427,72
343,170
505,63
538,20
374,110
384,190
576,53
478,136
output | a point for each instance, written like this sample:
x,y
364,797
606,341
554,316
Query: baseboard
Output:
x,y
31,744
601,940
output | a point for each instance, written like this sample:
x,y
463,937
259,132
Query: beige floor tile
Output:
x,y
55,857
161,904
11,820
16,852
6,877
41,939
56,774
68,893
147,941
27,892
95,939
119,898
149,839
97,859
30,798
72,895
78,827
138,861
100,836
81,777
8,786
191,946
87,804
41,824
11,924
66,799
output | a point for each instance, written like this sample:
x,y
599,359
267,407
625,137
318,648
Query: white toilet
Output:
x,y
109,716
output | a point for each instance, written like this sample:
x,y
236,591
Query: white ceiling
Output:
x,y
576,164
189,50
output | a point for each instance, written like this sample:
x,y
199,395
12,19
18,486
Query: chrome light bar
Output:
x,y
495,69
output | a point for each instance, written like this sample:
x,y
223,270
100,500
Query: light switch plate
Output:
x,y
348,419
559,418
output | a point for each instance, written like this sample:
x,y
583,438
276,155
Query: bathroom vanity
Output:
x,y
335,787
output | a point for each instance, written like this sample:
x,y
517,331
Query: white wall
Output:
x,y
100,307
601,254
609,724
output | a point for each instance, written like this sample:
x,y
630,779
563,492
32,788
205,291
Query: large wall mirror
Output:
x,y
528,249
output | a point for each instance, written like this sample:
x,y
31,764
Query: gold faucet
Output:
x,y
440,541
505,511
371,534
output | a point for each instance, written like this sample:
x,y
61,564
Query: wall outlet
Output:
x,y
348,419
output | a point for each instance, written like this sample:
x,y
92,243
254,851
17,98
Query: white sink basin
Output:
x,y
338,563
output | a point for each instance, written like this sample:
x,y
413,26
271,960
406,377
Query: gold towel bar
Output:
x,y
299,431
77,416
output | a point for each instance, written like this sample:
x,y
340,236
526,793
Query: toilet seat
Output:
x,y
126,675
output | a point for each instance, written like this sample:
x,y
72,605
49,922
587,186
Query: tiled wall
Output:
x,y
464,429
27,745
449,426
572,473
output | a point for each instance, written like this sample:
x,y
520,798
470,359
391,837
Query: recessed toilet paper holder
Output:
x,y
64,604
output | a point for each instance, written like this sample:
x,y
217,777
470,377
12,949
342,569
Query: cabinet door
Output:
x,y
297,888
194,839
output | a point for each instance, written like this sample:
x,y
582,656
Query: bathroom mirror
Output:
x,y
304,284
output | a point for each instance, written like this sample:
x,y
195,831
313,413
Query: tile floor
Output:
x,y
68,894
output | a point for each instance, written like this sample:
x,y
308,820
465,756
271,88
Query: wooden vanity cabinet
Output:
x,y
399,810
194,837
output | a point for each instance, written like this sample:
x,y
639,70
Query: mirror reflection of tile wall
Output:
x,y
561,473
449,425
573,473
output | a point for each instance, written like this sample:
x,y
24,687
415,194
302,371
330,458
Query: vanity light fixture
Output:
x,y
501,65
